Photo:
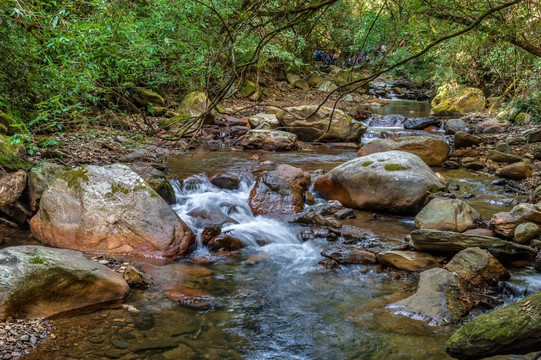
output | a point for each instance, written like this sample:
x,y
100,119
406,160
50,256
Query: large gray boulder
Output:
x,y
392,181
39,179
440,298
448,242
513,329
40,282
109,210
447,215
300,121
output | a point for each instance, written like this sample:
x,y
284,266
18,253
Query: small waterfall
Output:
x,y
201,204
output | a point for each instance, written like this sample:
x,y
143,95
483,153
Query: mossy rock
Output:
x,y
175,121
11,156
248,88
11,125
301,84
457,100
514,329
523,118
145,98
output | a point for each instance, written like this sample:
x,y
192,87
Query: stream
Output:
x,y
272,301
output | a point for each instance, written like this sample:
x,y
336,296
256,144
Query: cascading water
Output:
x,y
201,204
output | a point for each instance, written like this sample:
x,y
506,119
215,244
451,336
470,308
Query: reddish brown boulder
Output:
x,y
224,242
280,191
225,181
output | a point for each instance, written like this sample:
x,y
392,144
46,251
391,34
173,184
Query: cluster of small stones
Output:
x,y
116,265
18,337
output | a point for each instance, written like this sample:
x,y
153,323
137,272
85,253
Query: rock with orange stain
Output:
x,y
392,181
280,191
110,210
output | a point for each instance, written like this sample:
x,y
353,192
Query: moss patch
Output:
x,y
395,167
367,163
74,177
37,260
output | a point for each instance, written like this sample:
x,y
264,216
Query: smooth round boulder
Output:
x,y
526,232
324,125
453,126
447,215
516,171
392,181
432,151
109,210
41,282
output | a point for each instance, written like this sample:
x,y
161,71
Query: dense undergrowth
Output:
x,y
66,62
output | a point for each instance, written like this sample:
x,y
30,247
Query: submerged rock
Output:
x,y
300,121
109,210
280,191
431,150
349,254
449,242
392,181
41,282
513,329
448,215
441,298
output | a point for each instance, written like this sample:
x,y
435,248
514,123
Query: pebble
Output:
x,y
19,336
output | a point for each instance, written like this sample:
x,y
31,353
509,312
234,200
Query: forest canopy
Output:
x,y
65,60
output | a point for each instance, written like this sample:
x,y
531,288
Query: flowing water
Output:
x,y
272,301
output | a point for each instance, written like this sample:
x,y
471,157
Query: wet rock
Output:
x,y
421,123
109,210
40,282
352,233
188,296
503,157
349,254
156,180
440,298
513,329
517,170
313,218
449,164
478,268
504,223
453,126
431,150
300,121
463,139
225,242
386,121
256,121
158,344
11,187
225,181
537,262
408,260
329,264
344,214
136,277
447,215
209,216
209,233
448,242
309,198
392,181
270,140
526,232
280,191
39,179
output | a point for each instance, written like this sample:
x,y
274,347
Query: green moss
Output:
x,y
123,189
11,164
367,163
395,167
37,260
74,177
